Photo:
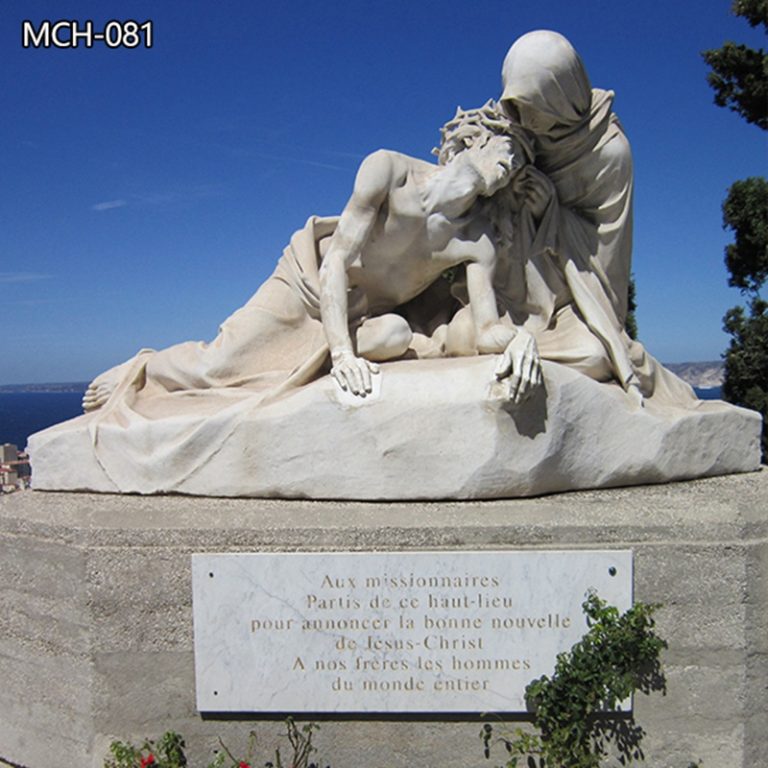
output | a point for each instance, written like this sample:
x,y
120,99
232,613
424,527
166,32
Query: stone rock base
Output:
x,y
96,637
434,429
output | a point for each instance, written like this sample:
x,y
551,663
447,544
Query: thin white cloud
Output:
x,y
156,198
352,155
39,302
179,195
108,205
289,159
22,277
247,152
164,197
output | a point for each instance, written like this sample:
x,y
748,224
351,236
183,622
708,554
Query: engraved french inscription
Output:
x,y
390,631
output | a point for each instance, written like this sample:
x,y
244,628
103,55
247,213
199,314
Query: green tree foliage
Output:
x,y
746,361
739,74
740,79
754,11
630,324
745,211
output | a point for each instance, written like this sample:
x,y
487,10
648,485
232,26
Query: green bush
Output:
x,y
575,711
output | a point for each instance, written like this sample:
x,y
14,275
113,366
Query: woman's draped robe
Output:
x,y
566,277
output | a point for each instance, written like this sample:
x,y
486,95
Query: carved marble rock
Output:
x,y
423,433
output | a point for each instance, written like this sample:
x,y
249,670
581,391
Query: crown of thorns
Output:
x,y
468,124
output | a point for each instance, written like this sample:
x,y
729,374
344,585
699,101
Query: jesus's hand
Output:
x,y
353,373
521,365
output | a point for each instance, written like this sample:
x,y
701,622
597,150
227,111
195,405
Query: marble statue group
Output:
x,y
513,248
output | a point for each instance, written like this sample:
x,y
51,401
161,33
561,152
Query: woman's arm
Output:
x,y
519,362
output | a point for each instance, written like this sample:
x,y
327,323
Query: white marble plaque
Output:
x,y
390,631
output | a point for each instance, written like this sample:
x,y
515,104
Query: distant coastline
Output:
x,y
704,375
67,386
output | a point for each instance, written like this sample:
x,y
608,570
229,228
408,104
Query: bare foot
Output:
x,y
102,387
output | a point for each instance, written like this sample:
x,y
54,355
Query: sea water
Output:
x,y
22,413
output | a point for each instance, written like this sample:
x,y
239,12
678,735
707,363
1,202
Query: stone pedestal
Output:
x,y
96,634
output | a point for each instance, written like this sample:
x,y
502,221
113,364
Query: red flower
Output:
x,y
243,764
148,760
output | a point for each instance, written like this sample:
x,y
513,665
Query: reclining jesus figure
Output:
x,y
339,281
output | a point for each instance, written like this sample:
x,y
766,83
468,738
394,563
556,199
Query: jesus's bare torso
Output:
x,y
409,245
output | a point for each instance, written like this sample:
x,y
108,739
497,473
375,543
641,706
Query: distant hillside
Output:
x,y
702,375
68,386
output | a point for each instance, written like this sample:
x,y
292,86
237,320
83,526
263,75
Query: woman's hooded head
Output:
x,y
543,72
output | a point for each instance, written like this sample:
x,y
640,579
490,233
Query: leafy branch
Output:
x,y
577,710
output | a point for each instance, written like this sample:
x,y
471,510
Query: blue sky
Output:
x,y
145,194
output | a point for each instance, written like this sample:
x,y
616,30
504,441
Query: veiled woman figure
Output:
x,y
574,247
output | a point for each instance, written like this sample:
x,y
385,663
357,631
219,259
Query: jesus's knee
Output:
x,y
383,338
